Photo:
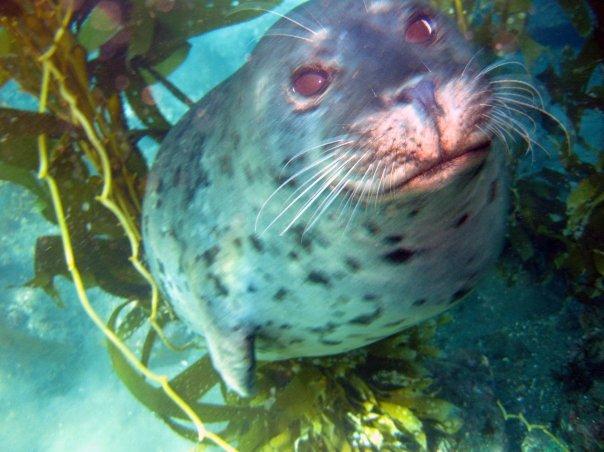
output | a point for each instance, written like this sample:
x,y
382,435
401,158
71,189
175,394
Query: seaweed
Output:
x,y
84,165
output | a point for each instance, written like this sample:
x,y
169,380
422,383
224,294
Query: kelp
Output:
x,y
558,213
374,398
91,60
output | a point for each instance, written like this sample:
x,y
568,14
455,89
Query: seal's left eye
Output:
x,y
420,31
310,82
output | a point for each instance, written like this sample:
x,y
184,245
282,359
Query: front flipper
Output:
x,y
233,357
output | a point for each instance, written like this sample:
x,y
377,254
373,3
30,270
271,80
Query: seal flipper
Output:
x,y
233,357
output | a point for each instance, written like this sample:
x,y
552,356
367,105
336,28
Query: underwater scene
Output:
x,y
323,225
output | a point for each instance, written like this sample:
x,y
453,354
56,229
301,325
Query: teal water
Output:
x,y
507,342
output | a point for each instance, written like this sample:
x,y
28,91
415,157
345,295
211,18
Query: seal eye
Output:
x,y
310,82
419,31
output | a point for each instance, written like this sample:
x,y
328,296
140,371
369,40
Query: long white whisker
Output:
x,y
496,65
316,195
516,94
496,131
511,82
377,167
469,62
285,35
502,104
503,127
351,195
301,153
519,128
317,21
550,116
377,193
317,178
299,173
358,201
278,15
330,199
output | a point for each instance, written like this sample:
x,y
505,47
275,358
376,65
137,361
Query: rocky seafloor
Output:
x,y
521,344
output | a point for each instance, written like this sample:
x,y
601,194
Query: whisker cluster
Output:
x,y
512,101
325,180
345,168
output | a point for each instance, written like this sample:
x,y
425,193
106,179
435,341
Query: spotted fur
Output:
x,y
367,268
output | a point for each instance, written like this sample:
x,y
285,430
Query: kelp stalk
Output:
x,y
48,70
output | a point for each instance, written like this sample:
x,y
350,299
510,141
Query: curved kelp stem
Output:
x,y
531,427
106,199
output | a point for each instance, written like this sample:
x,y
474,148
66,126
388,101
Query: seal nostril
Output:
x,y
423,93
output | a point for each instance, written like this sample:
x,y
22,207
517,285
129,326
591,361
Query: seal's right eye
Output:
x,y
310,82
420,31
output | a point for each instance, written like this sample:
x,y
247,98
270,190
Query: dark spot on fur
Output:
x,y
237,242
493,189
162,269
372,228
341,300
219,286
420,302
158,203
330,342
160,186
340,275
458,295
249,174
209,256
352,264
281,178
366,319
280,294
296,341
318,277
461,220
476,171
188,196
226,165
414,213
395,323
293,255
176,177
252,288
393,239
201,178
285,326
329,327
370,297
257,243
399,256
302,239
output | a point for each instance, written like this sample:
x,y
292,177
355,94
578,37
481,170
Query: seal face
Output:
x,y
340,187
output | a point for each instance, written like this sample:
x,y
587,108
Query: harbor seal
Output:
x,y
337,189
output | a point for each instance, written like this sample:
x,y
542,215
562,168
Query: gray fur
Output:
x,y
347,281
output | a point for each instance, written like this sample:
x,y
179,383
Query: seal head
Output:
x,y
340,187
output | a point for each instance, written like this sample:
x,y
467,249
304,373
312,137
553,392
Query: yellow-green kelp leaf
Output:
x,y
100,26
407,421
191,385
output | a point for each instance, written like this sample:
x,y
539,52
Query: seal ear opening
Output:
x,y
233,356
